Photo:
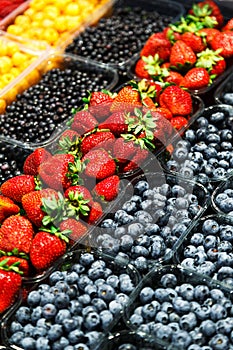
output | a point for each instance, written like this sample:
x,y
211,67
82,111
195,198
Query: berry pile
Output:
x,y
151,220
222,198
34,116
206,151
183,310
108,41
208,249
75,307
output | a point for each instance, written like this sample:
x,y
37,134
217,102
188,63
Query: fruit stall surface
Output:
x,y
116,175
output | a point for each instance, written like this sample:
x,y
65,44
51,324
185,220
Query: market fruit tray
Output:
x,y
46,95
78,272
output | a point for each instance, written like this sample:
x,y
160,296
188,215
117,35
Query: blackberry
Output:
x,y
11,160
38,111
109,42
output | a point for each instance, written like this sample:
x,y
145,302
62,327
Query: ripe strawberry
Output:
x,y
99,164
20,263
218,68
228,26
77,229
16,232
33,204
45,249
10,282
136,161
177,100
55,171
99,104
126,100
223,41
157,43
95,213
7,208
212,61
124,150
182,56
140,69
115,123
179,122
108,188
79,200
149,103
97,139
208,34
33,161
83,122
194,41
17,186
173,77
163,130
209,8
171,34
72,135
195,78
164,112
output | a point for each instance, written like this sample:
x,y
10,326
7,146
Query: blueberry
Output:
x,y
55,332
23,315
219,342
168,280
42,343
75,336
106,292
188,321
28,343
181,339
106,318
141,186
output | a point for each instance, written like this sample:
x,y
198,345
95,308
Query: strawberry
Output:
x,y
11,283
210,9
154,68
223,41
115,123
126,100
194,41
7,208
182,56
108,188
33,161
79,200
33,204
99,138
76,227
20,263
95,213
171,34
124,150
99,103
99,164
177,100
17,186
164,112
83,121
45,249
136,161
163,130
208,34
195,78
179,122
55,172
212,61
149,103
157,43
218,68
16,232
72,135
140,69
173,77
228,26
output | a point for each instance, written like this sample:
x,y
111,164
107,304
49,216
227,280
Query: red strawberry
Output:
x,y
208,34
124,150
223,41
126,100
194,41
99,164
79,201
10,282
163,130
136,161
33,203
83,122
218,68
95,213
20,263
45,249
149,103
79,190
55,171
196,78
171,35
182,56
157,43
164,112
17,186
212,61
100,103
177,100
179,122
210,8
72,135
77,228
16,232
108,188
228,25
7,208
173,77
100,139
115,123
33,161
140,69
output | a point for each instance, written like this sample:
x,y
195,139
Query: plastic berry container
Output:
x,y
134,341
161,13
51,88
175,320
156,227
207,248
82,263
220,197
224,92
